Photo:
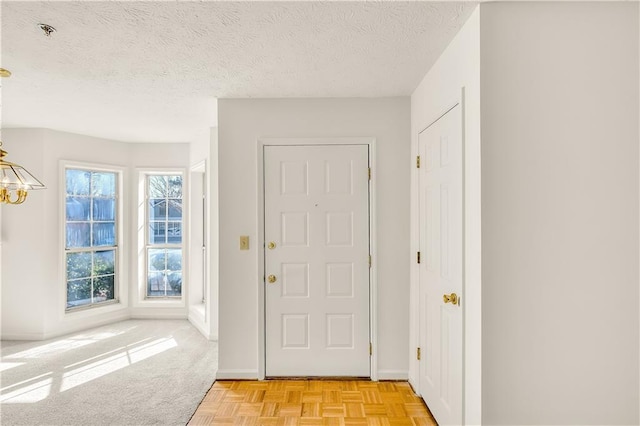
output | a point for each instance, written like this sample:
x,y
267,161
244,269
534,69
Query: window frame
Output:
x,y
118,234
146,246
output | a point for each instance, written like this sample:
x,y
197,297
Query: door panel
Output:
x,y
317,250
441,237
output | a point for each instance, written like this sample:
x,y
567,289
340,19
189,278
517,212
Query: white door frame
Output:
x,y
260,242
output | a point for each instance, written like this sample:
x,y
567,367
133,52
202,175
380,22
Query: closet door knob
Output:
x,y
450,298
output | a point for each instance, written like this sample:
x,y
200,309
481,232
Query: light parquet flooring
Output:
x,y
311,402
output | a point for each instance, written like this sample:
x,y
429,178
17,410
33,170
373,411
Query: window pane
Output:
x,y
77,208
104,209
175,186
104,262
174,232
174,281
78,235
174,259
157,260
157,209
157,187
175,209
103,288
78,182
104,234
103,184
165,272
78,292
155,284
157,233
78,265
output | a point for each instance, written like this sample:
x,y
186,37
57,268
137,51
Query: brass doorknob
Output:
x,y
271,279
450,298
271,245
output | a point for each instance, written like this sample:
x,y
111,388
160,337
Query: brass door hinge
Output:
x,y
418,257
418,354
370,348
369,173
418,162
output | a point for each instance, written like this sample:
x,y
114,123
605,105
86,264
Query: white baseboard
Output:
x,y
69,326
414,385
76,325
393,375
158,315
199,324
237,375
22,336
198,310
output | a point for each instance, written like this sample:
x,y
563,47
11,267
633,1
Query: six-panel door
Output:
x,y
441,267
317,255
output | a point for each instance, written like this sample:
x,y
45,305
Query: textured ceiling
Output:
x,y
151,71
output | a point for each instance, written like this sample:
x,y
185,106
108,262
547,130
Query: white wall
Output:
x,y
457,67
560,213
214,236
198,241
23,301
241,123
203,150
33,288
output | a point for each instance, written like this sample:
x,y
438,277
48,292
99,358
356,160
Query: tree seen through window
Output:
x,y
164,236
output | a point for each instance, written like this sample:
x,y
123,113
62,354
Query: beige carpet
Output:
x,y
136,372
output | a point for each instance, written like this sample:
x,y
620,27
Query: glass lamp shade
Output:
x,y
15,178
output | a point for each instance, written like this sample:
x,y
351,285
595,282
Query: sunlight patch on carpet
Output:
x,y
8,365
104,354
64,345
27,391
95,370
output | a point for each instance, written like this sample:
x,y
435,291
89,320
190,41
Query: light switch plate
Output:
x,y
244,242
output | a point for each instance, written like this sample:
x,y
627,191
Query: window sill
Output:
x,y
160,303
94,310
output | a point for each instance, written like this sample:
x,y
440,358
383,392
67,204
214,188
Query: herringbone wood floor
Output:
x,y
311,402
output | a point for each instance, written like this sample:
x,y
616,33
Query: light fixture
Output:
x,y
15,179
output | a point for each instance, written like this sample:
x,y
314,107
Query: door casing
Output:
x,y
260,242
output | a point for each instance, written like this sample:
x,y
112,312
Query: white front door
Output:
x,y
317,260
441,267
